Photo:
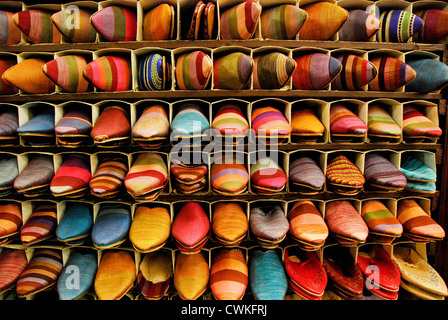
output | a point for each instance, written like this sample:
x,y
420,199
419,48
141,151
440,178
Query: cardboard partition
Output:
x,y
359,108
321,109
46,56
244,205
186,11
144,6
99,107
221,140
303,51
176,53
118,52
13,109
90,6
277,156
62,109
222,157
133,156
88,55
130,4
395,110
428,109
338,53
364,5
268,4
221,52
282,105
138,57
14,7
13,58
27,112
270,49
190,159
52,8
392,155
386,53
320,158
224,5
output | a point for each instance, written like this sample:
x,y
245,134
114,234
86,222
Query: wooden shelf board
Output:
x,y
254,43
218,94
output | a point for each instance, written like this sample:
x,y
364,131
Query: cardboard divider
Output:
x,y
14,7
393,156
118,52
196,140
189,159
283,106
62,109
354,156
304,3
176,53
222,157
359,108
98,157
27,112
320,158
8,141
321,109
139,55
144,6
133,156
88,55
428,109
215,251
64,204
262,204
46,56
319,204
224,5
90,6
302,51
13,58
221,52
356,203
386,53
427,5
185,12
395,110
137,110
385,5
24,158
224,140
99,107
277,156
425,156
268,4
389,203
336,53
99,206
176,207
28,207
130,4
244,205
260,51
52,8
420,54
363,5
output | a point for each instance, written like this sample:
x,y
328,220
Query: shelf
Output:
x,y
218,94
212,196
291,196
255,43
283,147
